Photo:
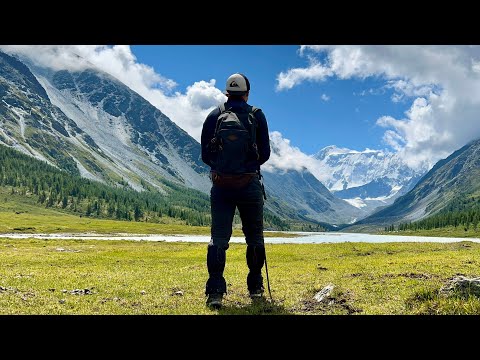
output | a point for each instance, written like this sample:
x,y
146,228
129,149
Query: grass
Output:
x,y
129,277
57,222
449,231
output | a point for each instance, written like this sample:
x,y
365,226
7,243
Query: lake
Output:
x,y
303,238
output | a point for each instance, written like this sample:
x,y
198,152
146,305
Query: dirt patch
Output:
x,y
24,295
7,288
410,275
24,228
338,302
364,253
365,275
67,250
86,291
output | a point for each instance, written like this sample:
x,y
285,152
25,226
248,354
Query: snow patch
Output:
x,y
84,172
380,198
21,120
357,202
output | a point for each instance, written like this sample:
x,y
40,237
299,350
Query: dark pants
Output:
x,y
249,201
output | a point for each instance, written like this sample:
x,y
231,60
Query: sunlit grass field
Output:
x,y
143,277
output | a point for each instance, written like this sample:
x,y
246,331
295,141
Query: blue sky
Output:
x,y
421,102
343,117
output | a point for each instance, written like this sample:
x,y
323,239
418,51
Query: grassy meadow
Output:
x,y
131,277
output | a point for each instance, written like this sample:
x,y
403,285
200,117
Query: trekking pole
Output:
x,y
266,267
268,281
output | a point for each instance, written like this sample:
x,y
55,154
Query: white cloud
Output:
x,y
442,82
284,156
393,139
476,66
325,97
405,89
315,72
188,110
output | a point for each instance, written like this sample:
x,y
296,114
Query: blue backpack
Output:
x,y
234,143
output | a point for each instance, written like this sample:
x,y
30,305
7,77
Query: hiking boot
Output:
x,y
214,301
257,294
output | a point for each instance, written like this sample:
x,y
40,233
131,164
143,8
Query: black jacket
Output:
x,y
263,142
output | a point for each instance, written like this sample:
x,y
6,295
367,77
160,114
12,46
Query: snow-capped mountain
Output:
x,y
455,179
366,179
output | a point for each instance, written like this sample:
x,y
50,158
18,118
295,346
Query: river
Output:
x,y
303,238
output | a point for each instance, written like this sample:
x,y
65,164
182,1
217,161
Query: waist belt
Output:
x,y
231,181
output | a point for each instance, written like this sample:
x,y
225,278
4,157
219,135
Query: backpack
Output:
x,y
234,142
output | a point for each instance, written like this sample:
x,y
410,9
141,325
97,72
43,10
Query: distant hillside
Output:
x,y
309,198
54,188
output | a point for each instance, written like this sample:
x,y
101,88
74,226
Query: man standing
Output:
x,y
235,143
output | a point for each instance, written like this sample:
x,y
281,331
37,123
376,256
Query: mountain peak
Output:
x,y
333,150
330,150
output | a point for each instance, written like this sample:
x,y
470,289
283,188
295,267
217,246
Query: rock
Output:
x,y
79,291
178,293
61,301
322,294
143,292
463,286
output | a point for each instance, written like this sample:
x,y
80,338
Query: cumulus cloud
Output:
x,y
188,110
442,83
315,72
285,156
325,97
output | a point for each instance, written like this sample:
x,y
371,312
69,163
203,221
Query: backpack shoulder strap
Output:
x,y
221,107
253,110
254,125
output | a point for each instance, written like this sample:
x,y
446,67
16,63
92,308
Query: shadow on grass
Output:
x,y
256,307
